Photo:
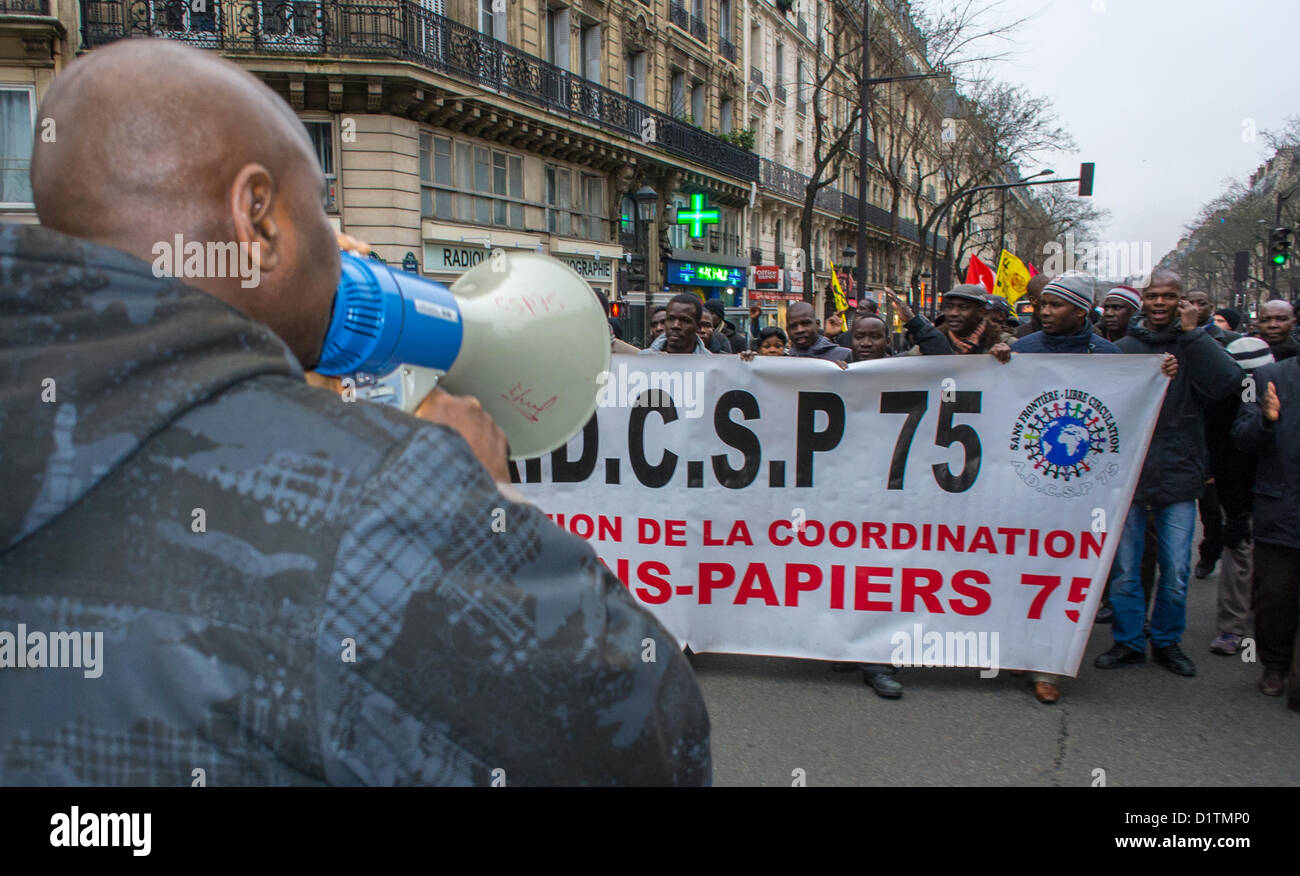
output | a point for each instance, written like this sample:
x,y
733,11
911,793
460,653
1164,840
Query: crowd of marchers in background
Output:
x,y
1227,440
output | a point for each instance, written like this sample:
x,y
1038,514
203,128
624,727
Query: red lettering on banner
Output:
x,y
863,587
800,577
983,541
808,527
873,532
955,539
739,535
646,574
675,529
837,586
1090,544
910,530
714,576
847,538
763,590
910,590
963,583
771,532
1011,537
647,531
1055,536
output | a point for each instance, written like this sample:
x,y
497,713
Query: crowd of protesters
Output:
x,y
1226,441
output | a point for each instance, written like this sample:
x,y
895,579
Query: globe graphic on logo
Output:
x,y
1065,442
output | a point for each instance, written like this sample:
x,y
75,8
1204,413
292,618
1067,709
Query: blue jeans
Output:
x,y
1175,525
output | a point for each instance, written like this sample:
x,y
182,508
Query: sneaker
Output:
x,y
1171,657
882,682
1270,684
1105,614
1227,643
1119,655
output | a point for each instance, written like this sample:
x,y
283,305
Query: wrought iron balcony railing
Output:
x,y
756,255
727,48
24,7
699,29
678,15
755,75
779,91
801,107
406,31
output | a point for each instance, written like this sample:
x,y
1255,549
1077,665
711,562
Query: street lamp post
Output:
x,y
1002,212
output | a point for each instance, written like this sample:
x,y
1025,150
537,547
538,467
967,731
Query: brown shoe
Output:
x,y
1270,684
1047,692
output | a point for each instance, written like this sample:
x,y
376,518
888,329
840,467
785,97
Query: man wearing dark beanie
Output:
x,y
1227,319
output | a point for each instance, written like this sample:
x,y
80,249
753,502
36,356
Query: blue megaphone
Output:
x,y
493,335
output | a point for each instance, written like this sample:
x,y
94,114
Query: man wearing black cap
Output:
x,y
1227,319
1172,479
964,325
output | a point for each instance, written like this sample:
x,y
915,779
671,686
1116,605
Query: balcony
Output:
x,y
405,31
779,91
801,107
728,49
756,256
819,266
678,15
779,260
803,25
755,75
699,29
24,7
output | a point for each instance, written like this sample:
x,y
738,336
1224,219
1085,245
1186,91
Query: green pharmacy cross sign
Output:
x,y
697,217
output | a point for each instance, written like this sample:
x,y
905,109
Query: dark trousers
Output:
x,y
1277,603
1212,523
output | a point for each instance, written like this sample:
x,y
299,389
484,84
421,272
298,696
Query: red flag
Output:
x,y
978,272
1032,270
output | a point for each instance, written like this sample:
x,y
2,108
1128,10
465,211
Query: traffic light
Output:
x,y
1086,170
1279,246
616,309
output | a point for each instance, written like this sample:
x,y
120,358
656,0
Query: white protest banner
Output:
x,y
944,510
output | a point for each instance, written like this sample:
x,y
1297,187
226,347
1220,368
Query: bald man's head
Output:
x,y
155,139
1276,321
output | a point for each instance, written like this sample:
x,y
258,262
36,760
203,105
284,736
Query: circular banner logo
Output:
x,y
1061,440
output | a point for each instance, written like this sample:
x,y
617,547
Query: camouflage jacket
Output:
x,y
289,589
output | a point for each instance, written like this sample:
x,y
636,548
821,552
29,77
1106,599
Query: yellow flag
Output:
x,y
840,304
1012,278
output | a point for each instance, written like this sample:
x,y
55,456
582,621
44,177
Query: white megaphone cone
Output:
x,y
523,333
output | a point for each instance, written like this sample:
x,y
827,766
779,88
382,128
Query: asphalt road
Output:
x,y
1142,725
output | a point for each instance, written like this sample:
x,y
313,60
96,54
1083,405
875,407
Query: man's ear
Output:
x,y
251,201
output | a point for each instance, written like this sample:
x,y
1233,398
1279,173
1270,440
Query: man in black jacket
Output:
x,y
1217,424
1172,479
1270,427
293,590
1277,327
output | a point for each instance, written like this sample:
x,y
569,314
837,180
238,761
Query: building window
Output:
x,y
698,109
557,37
17,124
590,45
636,76
724,121
322,138
724,19
468,183
678,94
780,63
575,204
778,152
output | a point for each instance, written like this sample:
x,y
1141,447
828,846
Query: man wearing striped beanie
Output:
x,y
1117,309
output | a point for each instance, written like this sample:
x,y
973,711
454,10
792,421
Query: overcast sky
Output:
x,y
1157,93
